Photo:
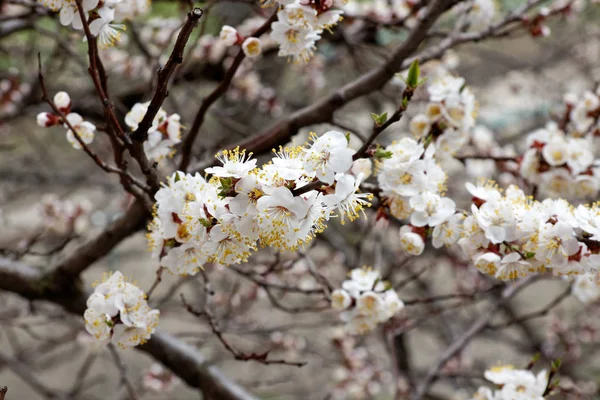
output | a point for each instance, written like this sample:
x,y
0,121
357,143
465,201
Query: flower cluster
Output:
x,y
117,311
84,130
384,11
12,93
356,377
64,216
562,165
515,384
163,134
586,287
300,24
99,14
510,235
365,300
413,184
224,218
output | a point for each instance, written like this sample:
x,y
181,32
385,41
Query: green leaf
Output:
x,y
347,137
381,153
529,255
412,80
177,178
379,119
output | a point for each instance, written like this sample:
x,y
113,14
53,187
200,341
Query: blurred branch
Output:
x,y
182,359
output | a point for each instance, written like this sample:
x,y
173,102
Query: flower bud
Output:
x,y
62,101
412,243
46,119
228,35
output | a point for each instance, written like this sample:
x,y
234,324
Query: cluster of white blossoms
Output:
x,y
117,311
561,165
511,235
224,218
84,130
586,287
163,134
411,178
300,25
385,11
100,16
366,301
357,376
514,384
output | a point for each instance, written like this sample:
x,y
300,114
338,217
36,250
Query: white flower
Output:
x,y
589,220
556,243
235,164
410,241
530,165
446,88
449,232
345,199
420,125
362,166
137,113
228,35
108,34
497,220
225,247
85,130
586,287
279,217
340,299
294,41
370,303
512,267
580,155
252,47
484,191
328,155
556,152
482,13
488,263
430,209
184,260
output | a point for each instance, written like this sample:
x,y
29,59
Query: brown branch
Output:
x,y
3,391
323,110
188,143
258,357
164,74
463,340
84,146
124,380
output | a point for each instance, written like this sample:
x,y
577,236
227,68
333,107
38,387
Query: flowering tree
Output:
x,y
378,257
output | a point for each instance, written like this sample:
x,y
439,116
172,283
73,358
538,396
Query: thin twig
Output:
x,y
258,357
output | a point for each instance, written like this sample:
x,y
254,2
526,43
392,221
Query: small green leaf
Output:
x,y
412,80
529,255
405,102
381,153
177,178
379,119
347,137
